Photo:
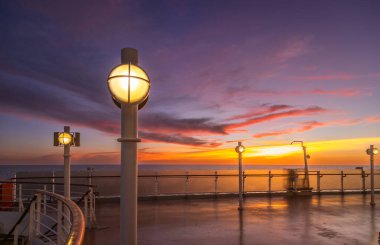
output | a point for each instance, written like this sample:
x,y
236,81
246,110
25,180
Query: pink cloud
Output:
x,y
325,77
279,115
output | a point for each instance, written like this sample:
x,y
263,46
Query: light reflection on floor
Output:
x,y
330,219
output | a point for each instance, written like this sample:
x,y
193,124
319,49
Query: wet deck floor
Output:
x,y
329,219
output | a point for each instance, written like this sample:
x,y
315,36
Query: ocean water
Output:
x,y
8,171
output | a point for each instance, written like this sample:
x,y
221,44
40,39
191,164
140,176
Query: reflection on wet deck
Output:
x,y
330,219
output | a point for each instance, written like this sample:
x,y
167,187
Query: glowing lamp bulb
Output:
x,y
375,151
65,138
129,84
240,149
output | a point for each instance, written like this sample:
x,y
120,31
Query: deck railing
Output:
x,y
106,183
57,221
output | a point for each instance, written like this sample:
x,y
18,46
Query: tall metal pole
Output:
x,y
240,181
372,176
66,166
306,166
128,171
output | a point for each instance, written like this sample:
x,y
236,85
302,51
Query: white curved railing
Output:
x,y
58,221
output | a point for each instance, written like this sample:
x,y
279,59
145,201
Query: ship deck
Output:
x,y
326,219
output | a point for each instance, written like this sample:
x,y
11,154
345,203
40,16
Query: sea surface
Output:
x,y
8,171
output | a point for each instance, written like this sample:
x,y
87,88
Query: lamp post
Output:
x,y
240,149
305,158
129,87
66,139
371,151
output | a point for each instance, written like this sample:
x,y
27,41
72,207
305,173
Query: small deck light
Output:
x,y
65,138
240,148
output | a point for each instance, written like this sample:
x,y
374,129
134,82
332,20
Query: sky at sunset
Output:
x,y
262,72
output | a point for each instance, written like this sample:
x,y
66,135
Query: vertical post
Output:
x,y
16,234
341,182
31,221
363,180
20,201
187,183
53,182
59,222
66,157
38,214
44,199
319,182
86,210
128,175
270,182
240,180
244,176
307,185
156,185
14,189
216,183
372,177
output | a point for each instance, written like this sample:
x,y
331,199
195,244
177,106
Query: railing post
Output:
x,y
319,182
31,221
89,179
20,201
59,222
270,181
92,208
341,182
38,214
363,181
216,183
86,210
156,185
244,176
16,234
53,182
44,198
187,183
14,189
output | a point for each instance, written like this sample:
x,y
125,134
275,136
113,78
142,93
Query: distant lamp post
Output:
x,y
240,149
66,139
305,158
371,151
129,86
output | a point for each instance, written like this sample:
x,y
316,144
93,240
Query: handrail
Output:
x,y
76,234
19,220
76,202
